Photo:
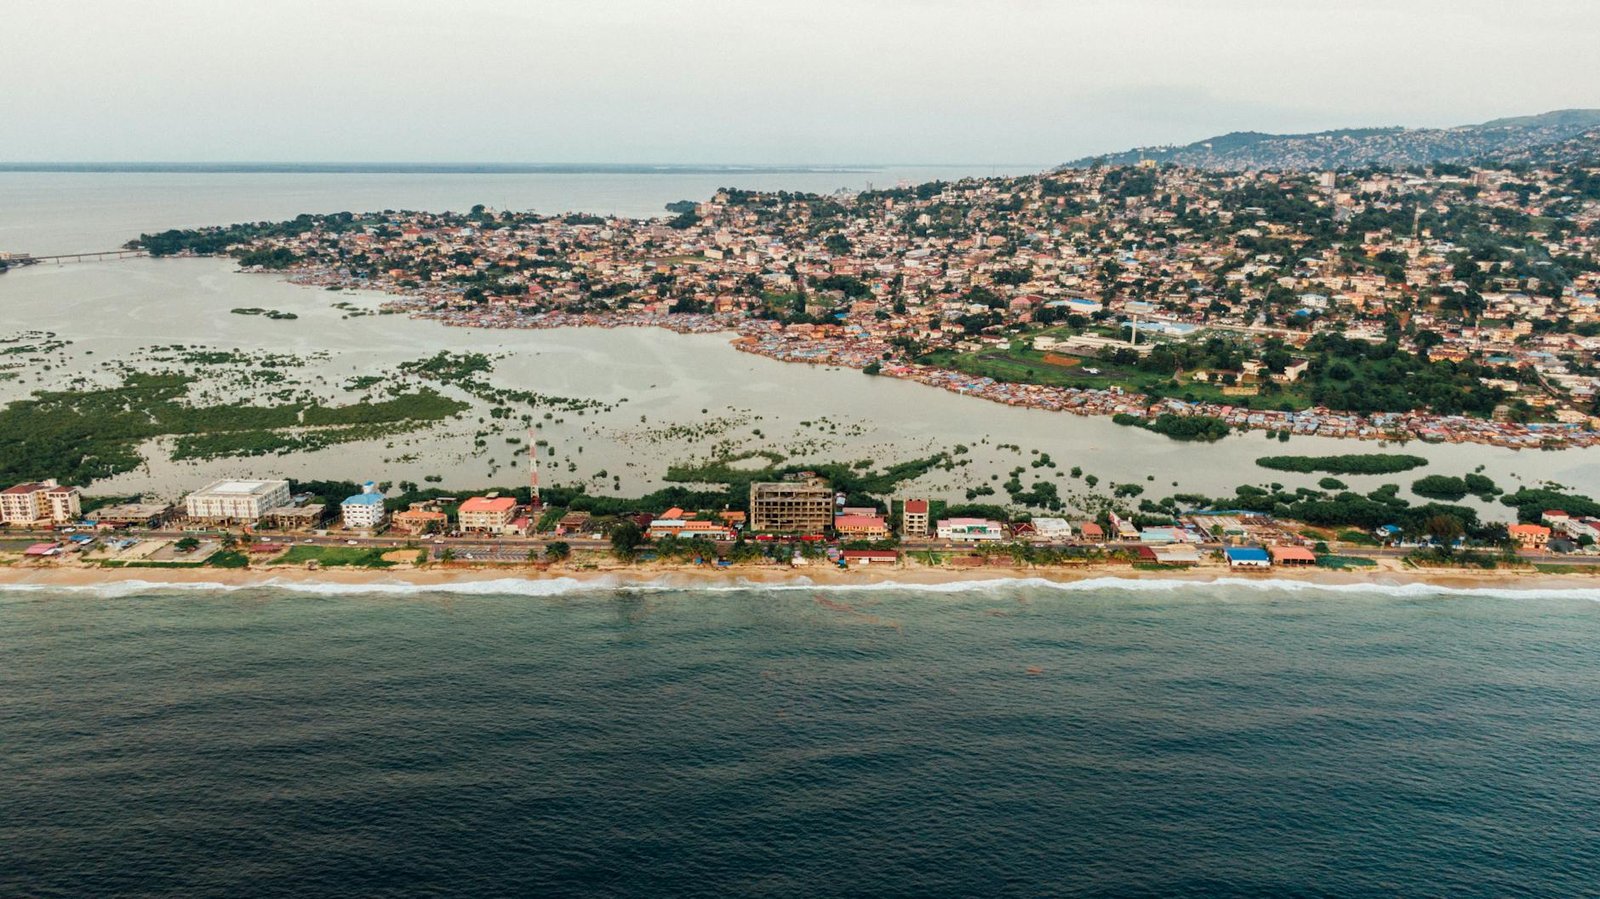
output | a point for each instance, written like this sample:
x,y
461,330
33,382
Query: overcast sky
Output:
x,y
757,81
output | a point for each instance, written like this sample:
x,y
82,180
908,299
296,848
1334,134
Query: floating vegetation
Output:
x,y
273,314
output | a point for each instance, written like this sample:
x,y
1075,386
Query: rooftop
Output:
x,y
485,504
240,488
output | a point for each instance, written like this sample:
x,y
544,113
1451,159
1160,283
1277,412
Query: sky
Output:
x,y
757,81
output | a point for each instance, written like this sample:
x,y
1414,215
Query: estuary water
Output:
x,y
1013,739
667,398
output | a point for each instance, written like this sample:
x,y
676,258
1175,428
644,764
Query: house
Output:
x,y
706,530
45,501
1530,536
1054,529
1247,557
574,523
1160,535
665,526
490,514
1171,554
365,510
861,527
864,557
914,518
1292,555
1091,532
967,530
420,519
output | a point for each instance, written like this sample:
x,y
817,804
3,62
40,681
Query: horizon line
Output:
x,y
445,167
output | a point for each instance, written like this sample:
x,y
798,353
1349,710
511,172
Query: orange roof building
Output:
x,y
1292,555
487,514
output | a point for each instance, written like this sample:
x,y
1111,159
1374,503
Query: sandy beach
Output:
x,y
699,577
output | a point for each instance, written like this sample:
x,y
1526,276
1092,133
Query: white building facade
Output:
x,y
241,501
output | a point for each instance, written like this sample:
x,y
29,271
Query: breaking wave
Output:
x,y
566,586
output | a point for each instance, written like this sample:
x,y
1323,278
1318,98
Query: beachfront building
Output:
x,y
131,515
1091,532
914,518
1530,536
364,511
800,506
1290,555
1052,529
487,515
861,558
44,501
970,530
420,519
861,527
222,502
574,523
1247,557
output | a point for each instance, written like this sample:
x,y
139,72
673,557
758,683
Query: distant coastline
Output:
x,y
428,168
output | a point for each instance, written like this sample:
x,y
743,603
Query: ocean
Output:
x,y
1003,739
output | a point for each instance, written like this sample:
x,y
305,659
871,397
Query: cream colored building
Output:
x,y
241,501
43,501
487,515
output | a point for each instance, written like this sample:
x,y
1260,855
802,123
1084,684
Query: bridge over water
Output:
x,y
62,258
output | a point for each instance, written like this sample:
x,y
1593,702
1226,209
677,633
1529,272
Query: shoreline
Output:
x,y
818,577
758,338
1397,428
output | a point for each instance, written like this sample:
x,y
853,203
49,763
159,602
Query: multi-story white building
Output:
x,y
236,501
43,501
365,510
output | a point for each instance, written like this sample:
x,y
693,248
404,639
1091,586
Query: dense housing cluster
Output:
x,y
1447,303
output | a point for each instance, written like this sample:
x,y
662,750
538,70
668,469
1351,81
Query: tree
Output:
x,y
187,544
1446,529
625,539
558,551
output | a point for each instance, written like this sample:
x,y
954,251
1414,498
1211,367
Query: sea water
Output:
x,y
1012,738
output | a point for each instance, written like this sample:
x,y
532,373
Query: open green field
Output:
x,y
336,556
1021,364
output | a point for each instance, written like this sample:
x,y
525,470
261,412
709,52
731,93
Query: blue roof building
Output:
x,y
365,510
1247,557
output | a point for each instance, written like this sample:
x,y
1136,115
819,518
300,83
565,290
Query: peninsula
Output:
x,y
1447,303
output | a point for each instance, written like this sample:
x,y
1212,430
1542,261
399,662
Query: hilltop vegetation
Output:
x,y
1356,147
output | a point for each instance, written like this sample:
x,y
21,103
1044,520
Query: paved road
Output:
x,y
515,549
